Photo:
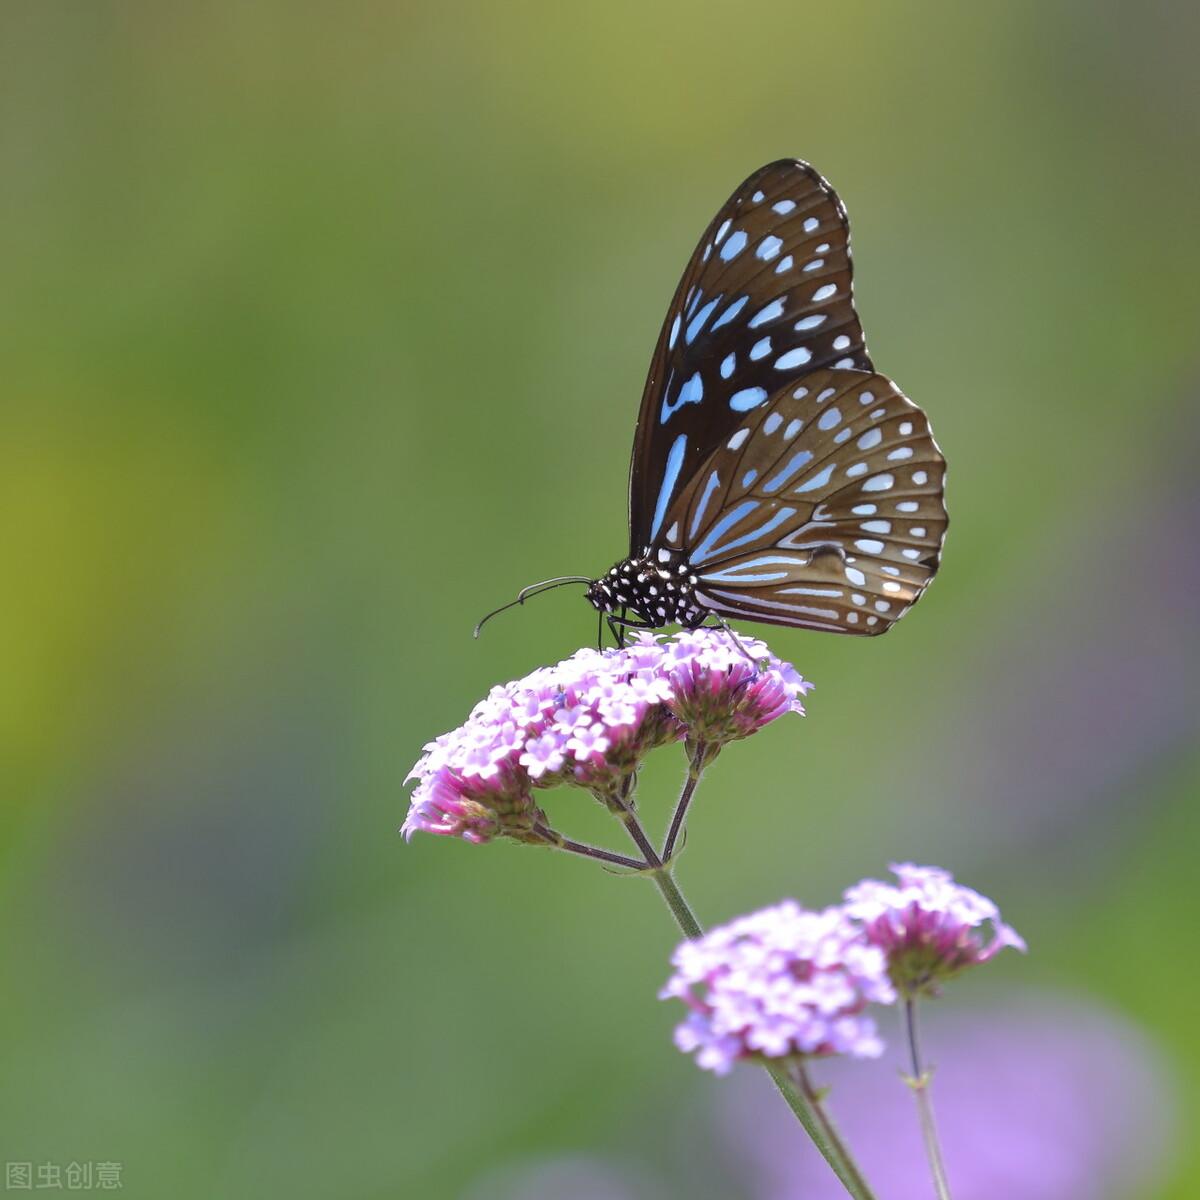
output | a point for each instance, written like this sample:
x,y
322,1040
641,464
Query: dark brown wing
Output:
x,y
823,508
765,298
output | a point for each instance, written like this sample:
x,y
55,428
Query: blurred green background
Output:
x,y
324,329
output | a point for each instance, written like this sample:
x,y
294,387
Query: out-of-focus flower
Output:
x,y
589,721
781,982
930,927
1044,1099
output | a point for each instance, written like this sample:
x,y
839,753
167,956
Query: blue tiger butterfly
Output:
x,y
776,476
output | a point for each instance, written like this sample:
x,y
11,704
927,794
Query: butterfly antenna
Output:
x,y
533,589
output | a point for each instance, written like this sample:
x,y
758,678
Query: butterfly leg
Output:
x,y
737,641
618,625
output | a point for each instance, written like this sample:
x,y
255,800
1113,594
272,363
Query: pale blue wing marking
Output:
x,y
747,399
797,462
731,312
697,322
670,478
707,550
692,392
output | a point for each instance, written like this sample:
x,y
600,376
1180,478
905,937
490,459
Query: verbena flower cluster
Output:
x,y
589,721
787,981
929,926
781,982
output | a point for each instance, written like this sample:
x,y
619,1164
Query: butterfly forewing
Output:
x,y
821,508
765,298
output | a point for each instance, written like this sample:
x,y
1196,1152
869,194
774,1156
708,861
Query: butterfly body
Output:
x,y
658,587
776,476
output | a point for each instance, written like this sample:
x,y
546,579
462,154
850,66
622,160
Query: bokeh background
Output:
x,y
323,329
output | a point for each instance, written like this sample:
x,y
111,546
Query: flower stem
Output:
x,y
680,910
808,1108
805,1103
813,1096
564,843
623,806
694,775
919,1083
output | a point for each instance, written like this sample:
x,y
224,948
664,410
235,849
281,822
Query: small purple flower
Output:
x,y
475,813
721,695
542,754
929,927
589,721
781,982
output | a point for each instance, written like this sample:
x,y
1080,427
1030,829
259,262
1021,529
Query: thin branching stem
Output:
x,y
805,1103
597,852
919,1083
694,775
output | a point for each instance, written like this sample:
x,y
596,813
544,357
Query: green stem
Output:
x,y
695,772
684,917
554,838
919,1083
830,1130
809,1109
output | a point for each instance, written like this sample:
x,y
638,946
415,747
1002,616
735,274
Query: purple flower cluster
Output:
x,y
929,927
589,721
788,981
780,982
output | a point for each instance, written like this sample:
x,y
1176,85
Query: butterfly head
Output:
x,y
658,588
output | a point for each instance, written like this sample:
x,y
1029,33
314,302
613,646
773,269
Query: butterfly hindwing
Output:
x,y
822,508
766,297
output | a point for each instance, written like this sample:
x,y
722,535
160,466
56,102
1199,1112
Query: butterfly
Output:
x,y
776,476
